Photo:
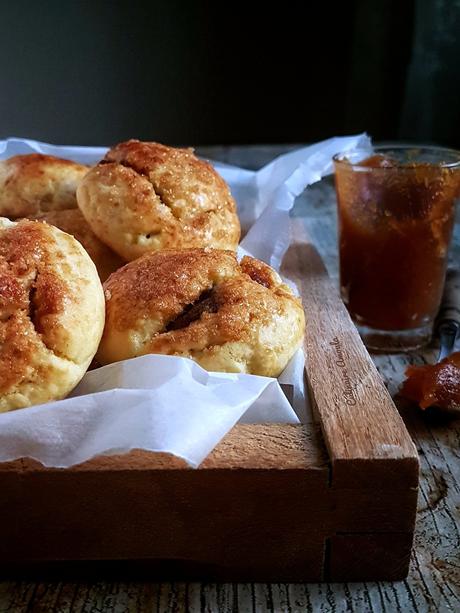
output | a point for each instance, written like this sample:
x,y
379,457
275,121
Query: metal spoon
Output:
x,y
448,320
448,330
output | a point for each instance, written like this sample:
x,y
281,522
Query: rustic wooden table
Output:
x,y
434,580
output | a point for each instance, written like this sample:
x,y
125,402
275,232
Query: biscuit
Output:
x,y
73,222
202,304
35,183
145,196
51,313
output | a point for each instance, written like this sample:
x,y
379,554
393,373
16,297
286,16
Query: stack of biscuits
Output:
x,y
135,255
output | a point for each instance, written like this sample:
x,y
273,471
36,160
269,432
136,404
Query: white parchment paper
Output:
x,y
166,403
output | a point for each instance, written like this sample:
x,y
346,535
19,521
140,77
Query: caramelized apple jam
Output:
x,y
395,225
434,384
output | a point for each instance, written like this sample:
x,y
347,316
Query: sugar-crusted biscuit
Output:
x,y
73,222
51,313
202,304
35,183
146,196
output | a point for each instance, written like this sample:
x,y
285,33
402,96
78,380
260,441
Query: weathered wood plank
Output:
x,y
144,506
434,579
249,446
365,436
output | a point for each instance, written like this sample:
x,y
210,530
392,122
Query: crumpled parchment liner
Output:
x,y
166,403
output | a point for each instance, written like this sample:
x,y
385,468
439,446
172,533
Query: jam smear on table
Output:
x,y
434,384
395,225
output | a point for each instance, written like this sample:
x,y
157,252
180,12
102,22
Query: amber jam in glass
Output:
x,y
396,214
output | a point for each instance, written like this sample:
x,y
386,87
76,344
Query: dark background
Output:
x,y
195,72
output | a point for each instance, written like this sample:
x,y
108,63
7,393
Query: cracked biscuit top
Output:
x,y
144,197
35,183
202,304
51,313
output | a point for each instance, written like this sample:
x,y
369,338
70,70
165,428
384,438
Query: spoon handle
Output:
x,y
448,320
448,331
450,304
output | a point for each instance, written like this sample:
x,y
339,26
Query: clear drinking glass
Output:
x,y
396,214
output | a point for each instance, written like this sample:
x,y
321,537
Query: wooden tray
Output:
x,y
334,501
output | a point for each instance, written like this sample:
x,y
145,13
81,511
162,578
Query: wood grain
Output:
x,y
347,552
201,523
258,508
246,446
364,433
434,578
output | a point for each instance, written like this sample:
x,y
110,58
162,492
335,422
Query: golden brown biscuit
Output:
x,y
202,304
73,222
36,183
51,313
145,196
